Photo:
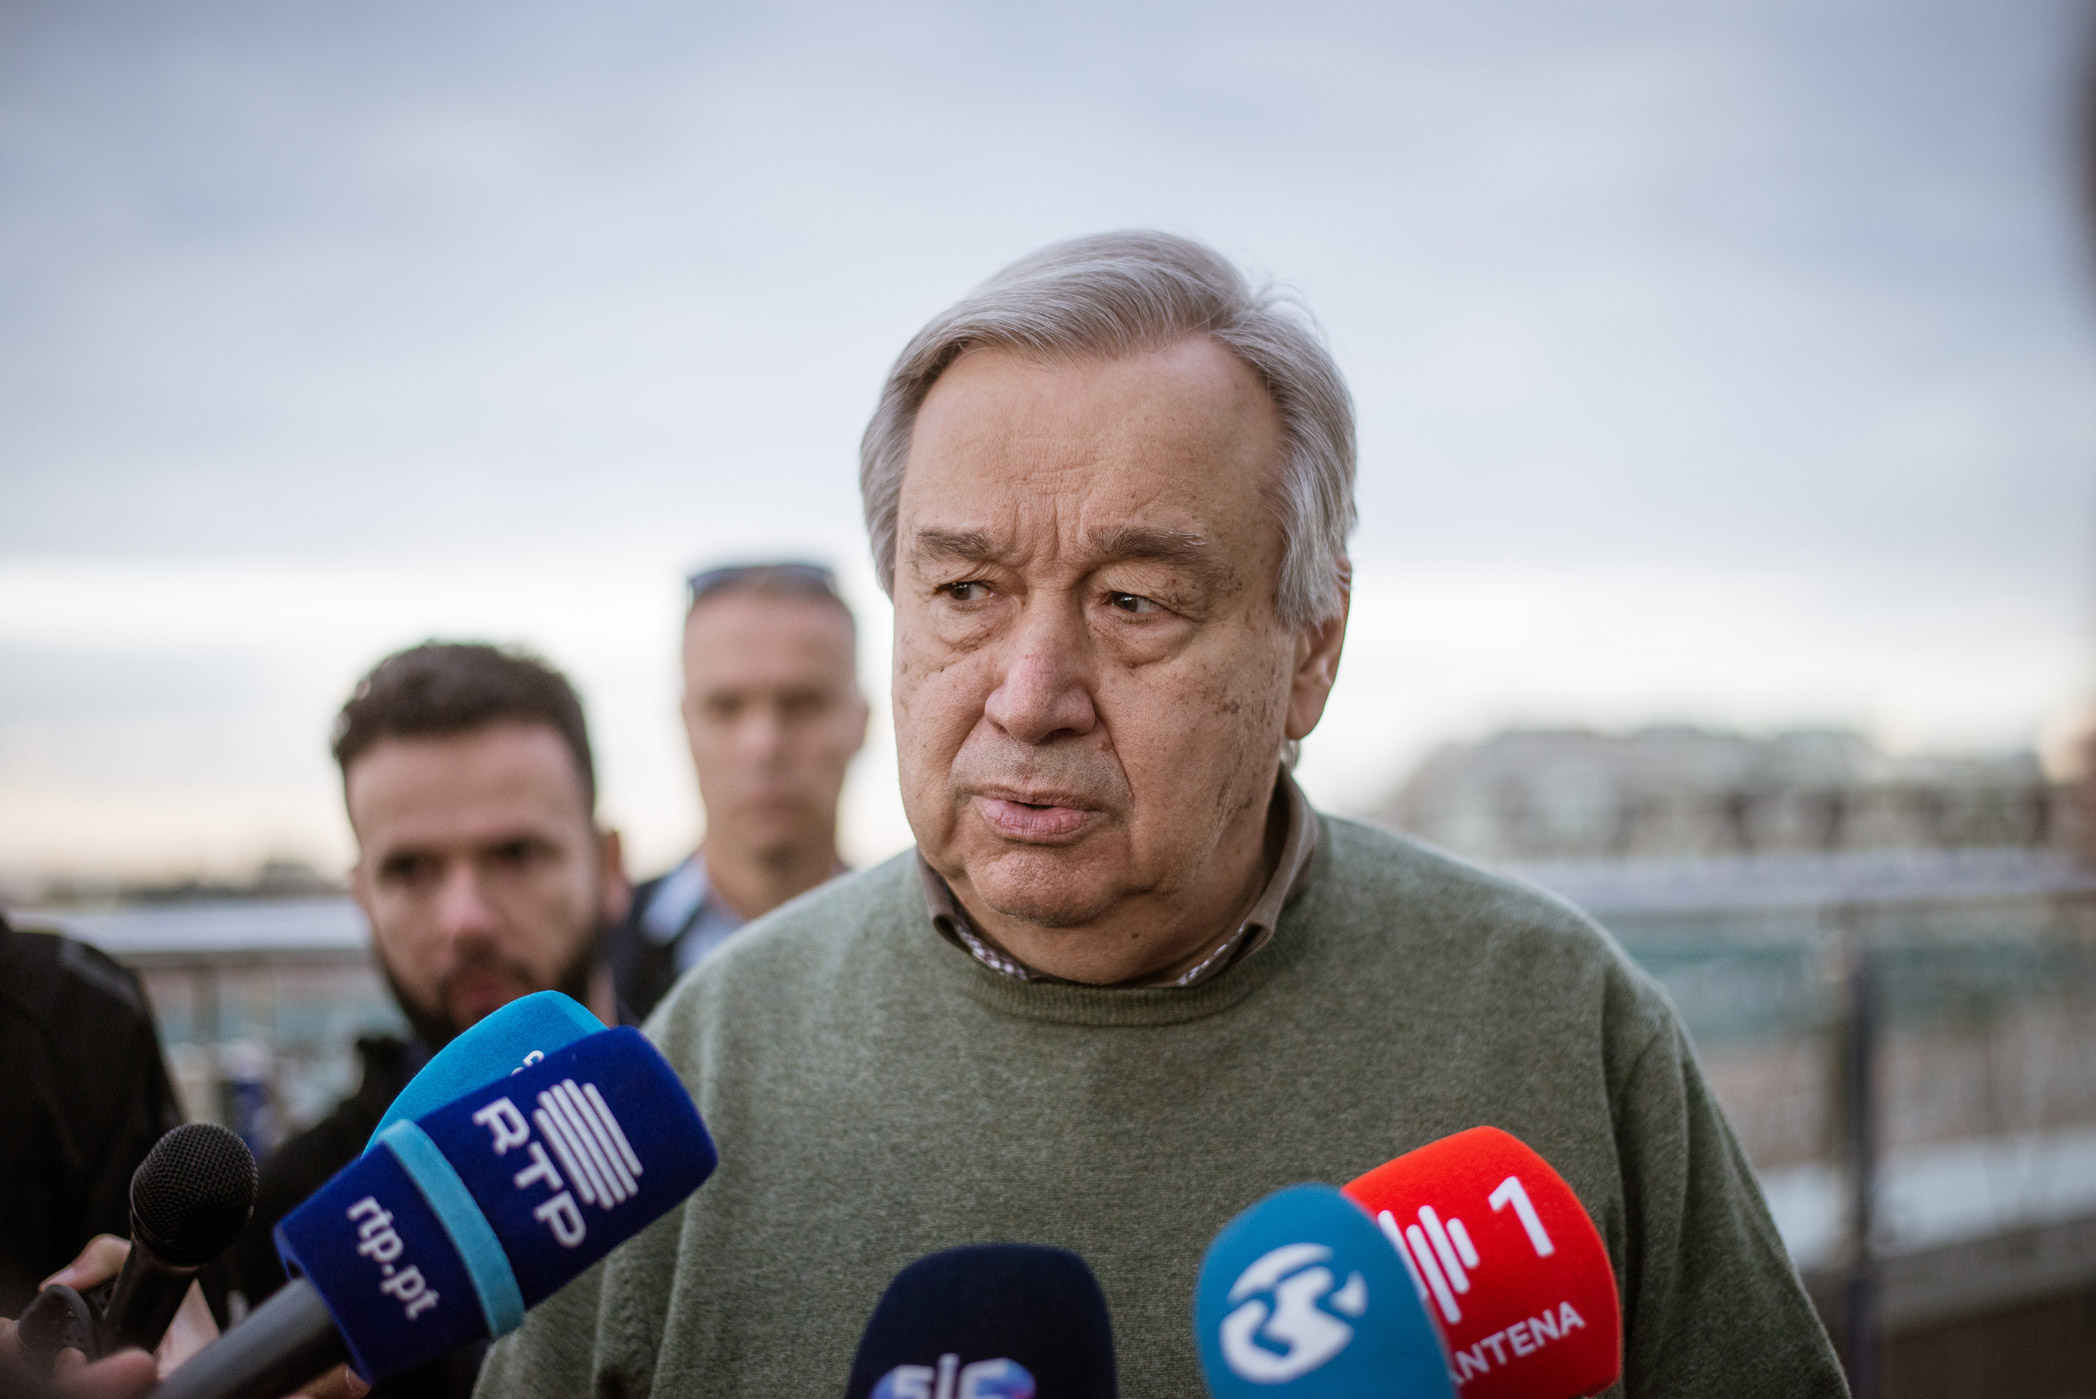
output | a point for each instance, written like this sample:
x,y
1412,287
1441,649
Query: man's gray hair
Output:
x,y
1116,294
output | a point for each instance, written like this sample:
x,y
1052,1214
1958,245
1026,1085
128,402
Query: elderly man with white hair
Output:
x,y
1129,981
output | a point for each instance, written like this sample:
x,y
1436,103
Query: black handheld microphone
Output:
x,y
190,1198
988,1321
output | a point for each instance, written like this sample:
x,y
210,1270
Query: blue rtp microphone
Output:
x,y
455,1222
1301,1297
988,1321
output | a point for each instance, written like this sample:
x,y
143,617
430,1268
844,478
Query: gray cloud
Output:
x,y
1759,281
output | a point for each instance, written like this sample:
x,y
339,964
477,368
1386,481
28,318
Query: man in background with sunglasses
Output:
x,y
774,715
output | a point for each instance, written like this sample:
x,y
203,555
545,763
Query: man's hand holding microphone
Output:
x,y
122,1297
66,1372
526,1150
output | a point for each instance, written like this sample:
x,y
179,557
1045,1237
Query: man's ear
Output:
x,y
617,895
1317,651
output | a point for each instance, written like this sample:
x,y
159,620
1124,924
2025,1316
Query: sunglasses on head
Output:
x,y
812,578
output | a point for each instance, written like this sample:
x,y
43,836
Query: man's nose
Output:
x,y
762,735
464,912
1045,691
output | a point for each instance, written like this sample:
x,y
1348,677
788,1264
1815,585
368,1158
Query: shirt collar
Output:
x,y
677,899
1229,948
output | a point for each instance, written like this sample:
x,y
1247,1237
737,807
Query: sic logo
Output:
x,y
985,1379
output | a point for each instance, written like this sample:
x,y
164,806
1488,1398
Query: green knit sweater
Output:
x,y
877,1094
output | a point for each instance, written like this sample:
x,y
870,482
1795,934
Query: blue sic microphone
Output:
x,y
457,1221
988,1321
1301,1297
499,1043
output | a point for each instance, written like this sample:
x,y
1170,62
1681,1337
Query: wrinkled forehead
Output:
x,y
1171,455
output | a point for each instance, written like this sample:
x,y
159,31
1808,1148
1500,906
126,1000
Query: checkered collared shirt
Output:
x,y
1234,946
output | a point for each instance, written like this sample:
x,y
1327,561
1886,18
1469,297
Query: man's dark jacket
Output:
x,y
87,1095
642,969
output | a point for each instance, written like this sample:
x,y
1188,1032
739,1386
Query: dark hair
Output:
x,y
454,687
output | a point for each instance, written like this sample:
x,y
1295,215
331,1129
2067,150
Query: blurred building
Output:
x,y
1547,794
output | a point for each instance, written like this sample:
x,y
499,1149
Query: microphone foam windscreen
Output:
x,y
1301,1296
459,1220
988,1321
192,1194
497,1045
1506,1259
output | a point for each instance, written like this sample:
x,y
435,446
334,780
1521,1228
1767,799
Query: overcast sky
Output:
x,y
1727,362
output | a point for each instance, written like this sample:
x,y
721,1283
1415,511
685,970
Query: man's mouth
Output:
x,y
475,990
1032,821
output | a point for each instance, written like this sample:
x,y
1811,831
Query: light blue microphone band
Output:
x,y
493,1280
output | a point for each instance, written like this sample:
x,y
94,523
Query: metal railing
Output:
x,y
1905,1042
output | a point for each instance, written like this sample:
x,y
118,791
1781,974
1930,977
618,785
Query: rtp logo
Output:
x,y
592,1147
984,1379
1301,1295
1281,1327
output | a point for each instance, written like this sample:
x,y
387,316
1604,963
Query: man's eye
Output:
x,y
1133,603
407,869
518,854
970,591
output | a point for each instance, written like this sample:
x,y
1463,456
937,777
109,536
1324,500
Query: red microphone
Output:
x,y
1506,1261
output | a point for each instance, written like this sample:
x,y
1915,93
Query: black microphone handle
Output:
x,y
285,1342
148,1293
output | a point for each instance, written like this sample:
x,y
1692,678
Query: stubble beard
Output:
x,y
436,1026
